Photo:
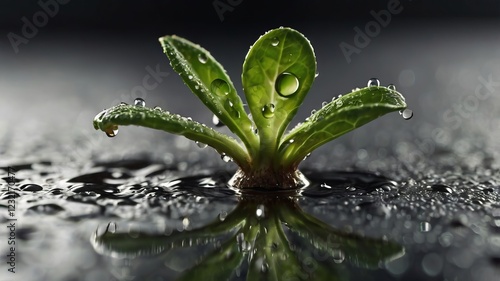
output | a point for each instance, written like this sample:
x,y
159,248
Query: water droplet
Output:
x,y
287,84
291,141
275,41
391,87
223,215
373,82
202,58
157,108
339,103
260,211
268,110
324,185
123,103
316,74
112,131
313,111
308,154
219,87
201,145
407,113
216,121
111,227
323,104
139,102
338,256
190,77
264,267
225,158
425,226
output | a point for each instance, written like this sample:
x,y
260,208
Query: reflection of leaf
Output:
x,y
218,265
262,240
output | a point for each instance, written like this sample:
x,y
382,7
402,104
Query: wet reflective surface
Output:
x,y
141,220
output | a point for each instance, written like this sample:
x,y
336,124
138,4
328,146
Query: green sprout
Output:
x,y
278,71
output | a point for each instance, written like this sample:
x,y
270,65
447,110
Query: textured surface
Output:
x,y
441,203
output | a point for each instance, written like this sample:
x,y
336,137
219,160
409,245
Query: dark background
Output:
x,y
92,54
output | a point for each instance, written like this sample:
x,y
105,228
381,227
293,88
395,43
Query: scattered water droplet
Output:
x,y
323,104
324,185
226,158
223,215
219,87
425,226
260,211
201,145
275,41
287,84
202,58
216,121
338,256
291,141
139,102
185,223
112,131
313,111
373,82
316,74
123,103
157,108
308,154
407,113
268,110
391,87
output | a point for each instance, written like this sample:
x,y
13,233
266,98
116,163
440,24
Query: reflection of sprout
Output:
x,y
278,72
254,239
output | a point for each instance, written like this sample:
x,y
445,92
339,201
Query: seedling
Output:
x,y
278,71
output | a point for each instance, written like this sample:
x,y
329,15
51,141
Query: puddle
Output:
x,y
144,220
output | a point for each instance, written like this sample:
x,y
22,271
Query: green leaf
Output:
x,y
208,80
123,115
277,74
336,119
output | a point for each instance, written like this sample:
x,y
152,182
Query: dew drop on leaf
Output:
x,y
313,111
202,58
407,113
216,121
268,110
323,104
275,41
123,103
287,84
139,102
157,108
219,87
111,131
201,145
225,158
391,87
373,82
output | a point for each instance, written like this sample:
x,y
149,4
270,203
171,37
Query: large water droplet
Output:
x,y
391,87
275,41
202,58
216,121
219,87
287,84
112,131
373,82
407,113
268,110
139,102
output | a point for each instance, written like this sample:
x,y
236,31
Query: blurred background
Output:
x,y
61,62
